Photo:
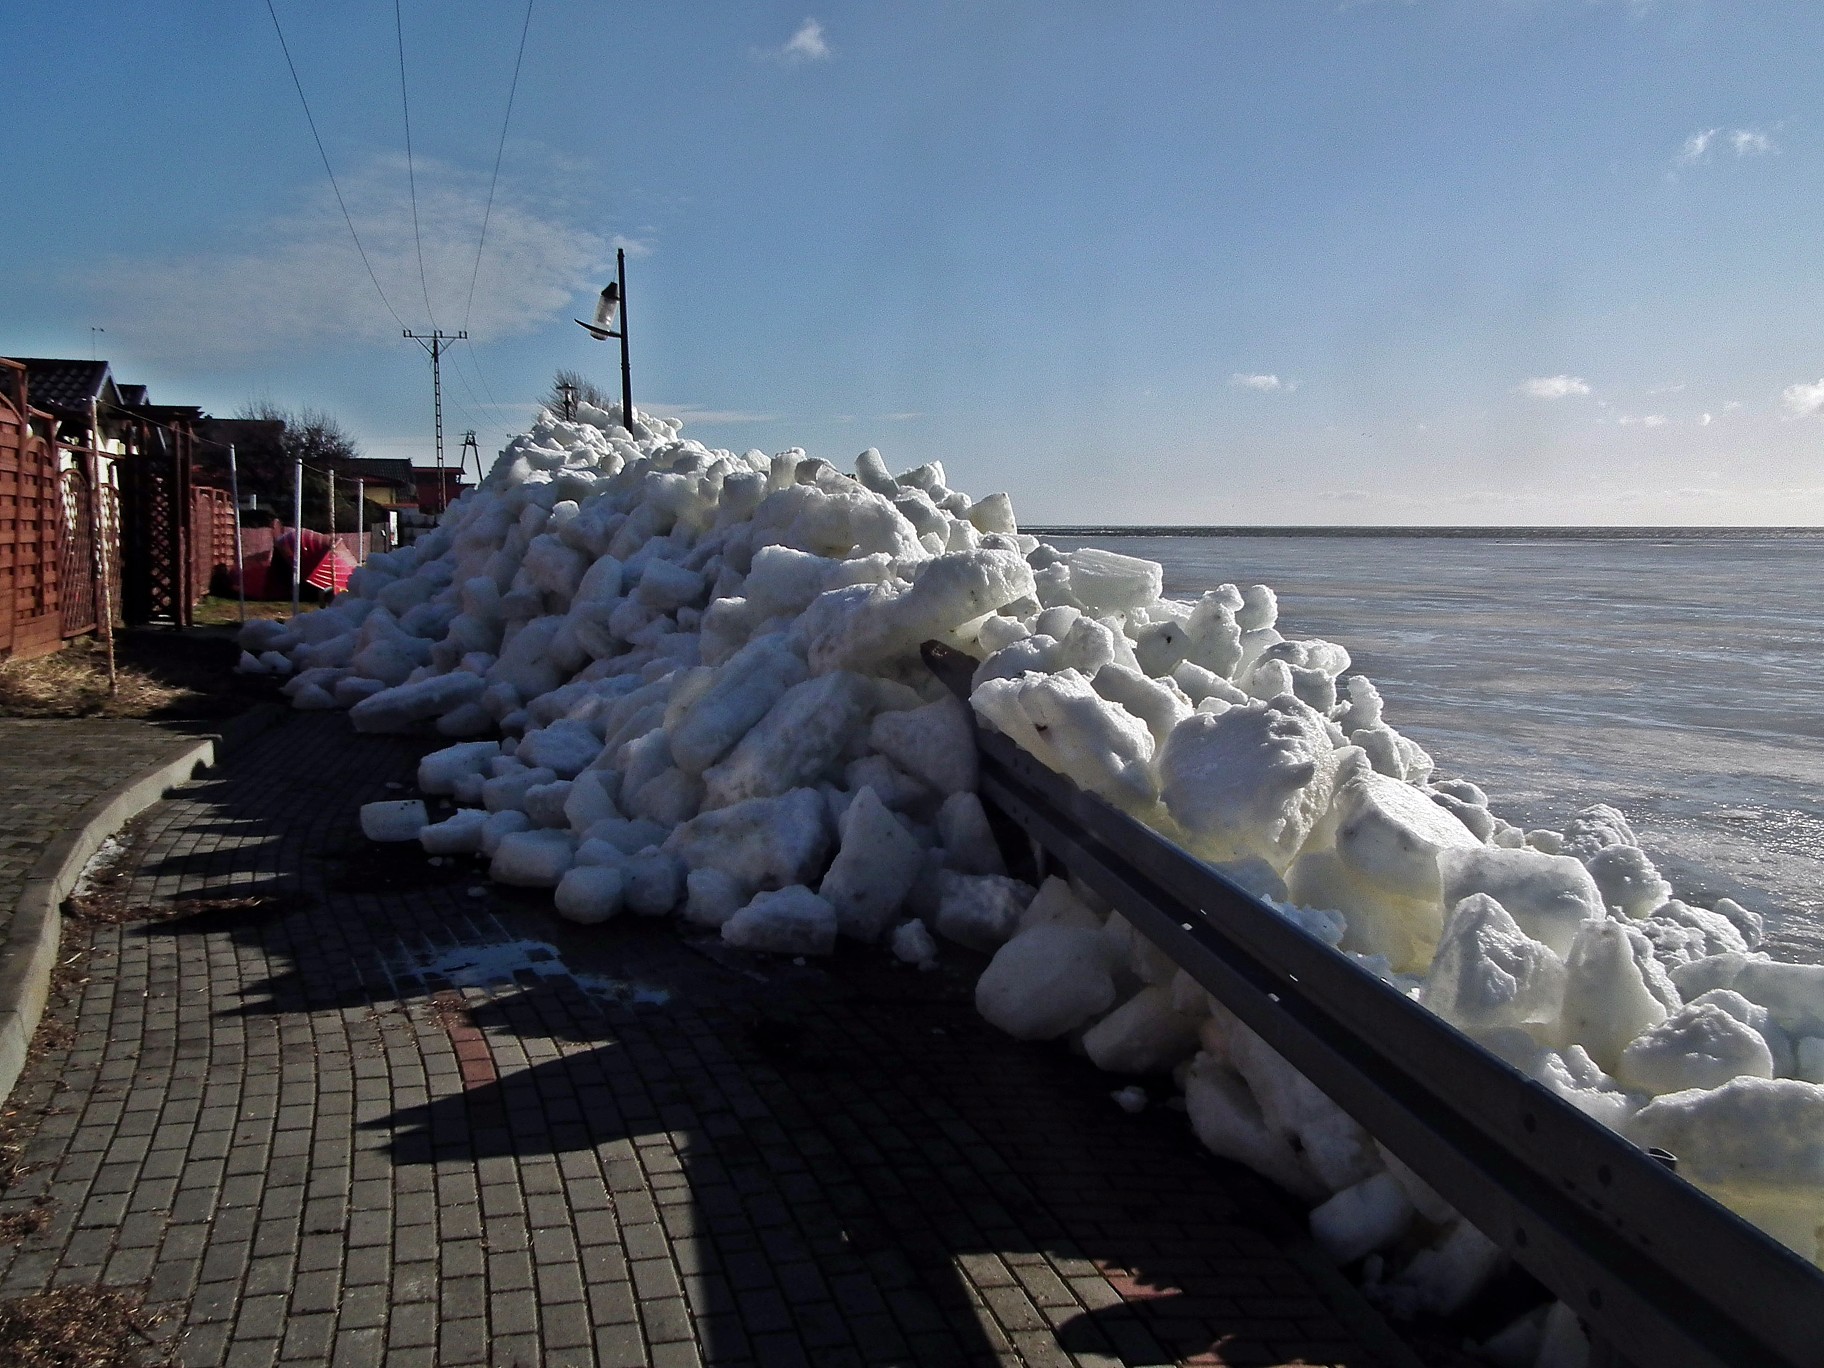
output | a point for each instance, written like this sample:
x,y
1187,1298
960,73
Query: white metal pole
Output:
x,y
240,561
360,520
297,532
332,535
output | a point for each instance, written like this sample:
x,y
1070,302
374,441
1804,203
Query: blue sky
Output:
x,y
1277,261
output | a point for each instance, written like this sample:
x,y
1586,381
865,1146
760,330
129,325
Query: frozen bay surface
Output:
x,y
1679,677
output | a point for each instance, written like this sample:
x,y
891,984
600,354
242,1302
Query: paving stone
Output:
x,y
267,1119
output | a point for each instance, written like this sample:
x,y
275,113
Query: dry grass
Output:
x,y
73,682
80,1327
226,612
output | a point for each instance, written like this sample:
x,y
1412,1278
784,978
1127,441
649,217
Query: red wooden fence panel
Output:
x,y
31,518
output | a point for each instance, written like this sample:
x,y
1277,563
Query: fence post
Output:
x,y
297,532
104,592
240,561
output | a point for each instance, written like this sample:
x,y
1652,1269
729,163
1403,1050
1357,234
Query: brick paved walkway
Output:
x,y
329,1107
50,769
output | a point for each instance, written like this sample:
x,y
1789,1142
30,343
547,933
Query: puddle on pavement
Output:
x,y
503,963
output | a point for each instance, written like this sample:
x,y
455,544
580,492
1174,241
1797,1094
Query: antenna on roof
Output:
x,y
93,350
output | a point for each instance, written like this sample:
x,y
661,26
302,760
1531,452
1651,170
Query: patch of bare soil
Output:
x,y
81,1327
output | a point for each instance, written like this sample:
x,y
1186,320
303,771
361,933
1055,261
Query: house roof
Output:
x,y
382,470
58,383
133,394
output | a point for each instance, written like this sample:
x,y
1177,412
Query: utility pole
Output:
x,y
620,276
437,342
469,444
568,390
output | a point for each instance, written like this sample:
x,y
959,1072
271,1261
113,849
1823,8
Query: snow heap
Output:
x,y
680,680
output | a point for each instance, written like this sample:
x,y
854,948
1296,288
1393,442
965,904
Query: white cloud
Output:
x,y
1750,142
1553,387
297,279
806,45
908,416
1667,388
1697,147
1704,420
1266,384
1802,401
708,417
1744,142
1651,420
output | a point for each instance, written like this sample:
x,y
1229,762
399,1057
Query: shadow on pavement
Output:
x,y
840,1167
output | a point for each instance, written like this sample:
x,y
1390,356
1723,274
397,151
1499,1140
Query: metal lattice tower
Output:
x,y
437,343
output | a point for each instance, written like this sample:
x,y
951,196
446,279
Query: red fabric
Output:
x,y
331,572
317,550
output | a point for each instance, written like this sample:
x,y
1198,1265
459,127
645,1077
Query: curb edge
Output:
x,y
29,951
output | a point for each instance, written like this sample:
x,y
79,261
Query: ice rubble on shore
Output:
x,y
703,671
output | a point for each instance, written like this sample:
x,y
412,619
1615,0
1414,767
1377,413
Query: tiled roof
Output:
x,y
63,384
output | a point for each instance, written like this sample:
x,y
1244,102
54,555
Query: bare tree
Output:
x,y
582,389
324,444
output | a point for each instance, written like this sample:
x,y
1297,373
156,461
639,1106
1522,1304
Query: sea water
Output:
x,y
1677,674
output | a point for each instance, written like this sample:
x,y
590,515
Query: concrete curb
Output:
x,y
29,953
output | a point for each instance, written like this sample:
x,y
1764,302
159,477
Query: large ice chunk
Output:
x,y
980,910
934,744
1145,1034
1253,781
399,820
1753,1144
1047,981
1228,1120
1490,973
1698,1046
745,688
882,622
1108,582
799,739
786,921
439,771
589,894
1550,896
875,868
533,859
1361,1219
762,842
397,708
1061,720
457,834
1392,835
1614,990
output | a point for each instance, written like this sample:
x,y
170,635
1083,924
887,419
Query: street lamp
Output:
x,y
613,303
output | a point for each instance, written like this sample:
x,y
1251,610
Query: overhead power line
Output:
x,y
411,176
340,202
488,212
499,151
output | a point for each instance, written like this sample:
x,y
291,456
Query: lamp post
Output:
x,y
612,303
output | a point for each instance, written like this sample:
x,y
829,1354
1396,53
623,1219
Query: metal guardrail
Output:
x,y
1659,1272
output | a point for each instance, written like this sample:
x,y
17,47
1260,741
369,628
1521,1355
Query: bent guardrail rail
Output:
x,y
1659,1272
